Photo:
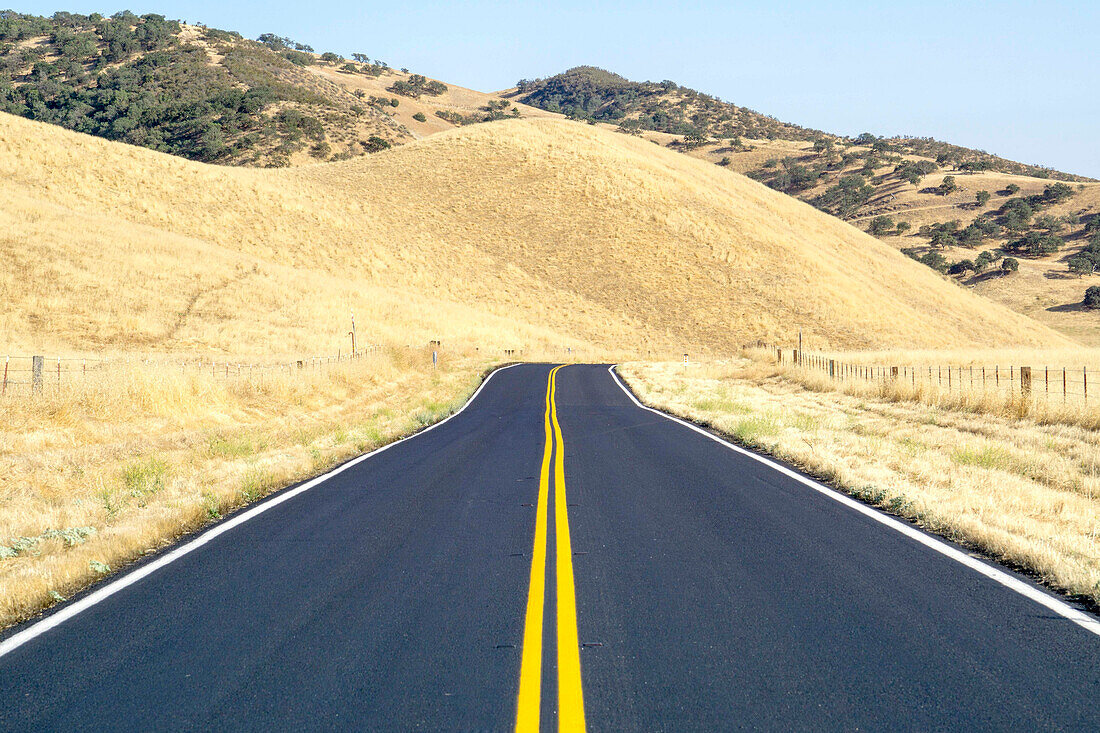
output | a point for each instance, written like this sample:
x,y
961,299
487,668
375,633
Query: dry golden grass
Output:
x,y
970,380
458,99
1023,492
100,472
537,233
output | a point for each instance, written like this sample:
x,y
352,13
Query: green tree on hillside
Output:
x,y
948,185
1009,265
1092,297
935,260
982,198
880,225
1012,189
1080,266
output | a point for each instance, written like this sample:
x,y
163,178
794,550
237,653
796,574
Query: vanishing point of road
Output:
x,y
557,556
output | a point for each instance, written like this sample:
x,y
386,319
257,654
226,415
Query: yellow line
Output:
x,y
570,691
530,670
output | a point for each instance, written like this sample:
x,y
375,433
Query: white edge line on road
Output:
x,y
1084,620
37,629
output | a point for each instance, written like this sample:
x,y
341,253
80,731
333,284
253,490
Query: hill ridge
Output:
x,y
561,234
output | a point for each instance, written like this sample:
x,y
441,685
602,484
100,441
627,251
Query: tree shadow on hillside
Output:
x,y
1070,308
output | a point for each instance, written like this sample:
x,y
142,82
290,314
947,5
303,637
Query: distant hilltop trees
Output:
x,y
207,94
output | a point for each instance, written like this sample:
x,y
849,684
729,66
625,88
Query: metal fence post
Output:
x,y
37,363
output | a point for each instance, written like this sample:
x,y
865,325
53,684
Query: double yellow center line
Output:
x,y
570,693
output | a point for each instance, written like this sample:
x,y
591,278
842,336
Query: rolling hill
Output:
x,y
542,234
212,95
893,187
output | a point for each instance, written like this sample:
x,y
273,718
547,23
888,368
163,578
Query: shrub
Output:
x,y
1012,189
943,238
419,117
1009,265
1092,297
416,85
960,268
914,170
880,225
297,57
1035,244
935,260
1056,193
948,185
903,227
982,198
374,143
1080,266
332,58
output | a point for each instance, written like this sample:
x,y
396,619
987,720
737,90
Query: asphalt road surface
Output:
x,y
423,589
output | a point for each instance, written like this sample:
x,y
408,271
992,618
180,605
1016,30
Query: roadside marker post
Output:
x,y
37,364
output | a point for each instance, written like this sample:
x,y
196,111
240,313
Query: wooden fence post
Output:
x,y
37,363
832,368
1025,381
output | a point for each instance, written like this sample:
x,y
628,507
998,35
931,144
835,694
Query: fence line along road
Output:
x,y
1069,385
30,375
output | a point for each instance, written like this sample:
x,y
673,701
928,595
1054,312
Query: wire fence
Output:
x,y
1068,385
27,376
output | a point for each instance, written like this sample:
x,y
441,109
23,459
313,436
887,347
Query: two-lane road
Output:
x,y
422,588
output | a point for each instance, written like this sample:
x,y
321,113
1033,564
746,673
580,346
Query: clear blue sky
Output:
x,y
1019,79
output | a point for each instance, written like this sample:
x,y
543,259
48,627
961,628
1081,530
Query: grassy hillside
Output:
x,y
214,96
704,121
541,233
943,204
